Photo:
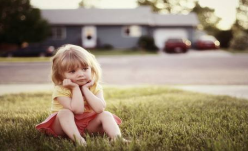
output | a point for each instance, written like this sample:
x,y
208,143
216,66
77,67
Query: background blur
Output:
x,y
45,25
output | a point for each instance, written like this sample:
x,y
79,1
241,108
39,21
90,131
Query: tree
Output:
x,y
20,22
169,6
240,27
241,15
89,3
205,15
207,18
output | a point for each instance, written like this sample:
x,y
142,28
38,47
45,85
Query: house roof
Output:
x,y
138,16
175,20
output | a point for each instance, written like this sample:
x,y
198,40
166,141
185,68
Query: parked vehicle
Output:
x,y
30,51
207,42
175,45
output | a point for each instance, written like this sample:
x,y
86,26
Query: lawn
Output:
x,y
154,118
24,59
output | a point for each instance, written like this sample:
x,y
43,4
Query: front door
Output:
x,y
89,37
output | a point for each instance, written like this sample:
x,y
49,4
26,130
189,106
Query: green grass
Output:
x,y
24,59
154,118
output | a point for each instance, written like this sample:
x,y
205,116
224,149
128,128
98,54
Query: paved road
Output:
x,y
193,68
214,72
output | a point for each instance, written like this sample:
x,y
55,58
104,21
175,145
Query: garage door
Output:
x,y
161,35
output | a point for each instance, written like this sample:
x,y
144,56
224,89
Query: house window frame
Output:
x,y
58,36
124,28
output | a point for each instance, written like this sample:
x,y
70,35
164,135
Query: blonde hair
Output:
x,y
70,57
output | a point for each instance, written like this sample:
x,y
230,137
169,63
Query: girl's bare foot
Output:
x,y
82,142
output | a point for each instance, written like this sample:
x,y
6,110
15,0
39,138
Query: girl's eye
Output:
x,y
72,71
85,68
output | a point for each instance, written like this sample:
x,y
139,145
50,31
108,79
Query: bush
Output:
x,y
240,41
107,47
147,43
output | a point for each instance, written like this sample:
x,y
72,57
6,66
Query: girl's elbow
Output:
x,y
100,110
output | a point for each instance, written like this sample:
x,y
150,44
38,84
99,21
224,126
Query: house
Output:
x,y
120,28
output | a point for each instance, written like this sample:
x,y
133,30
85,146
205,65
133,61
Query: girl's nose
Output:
x,y
80,73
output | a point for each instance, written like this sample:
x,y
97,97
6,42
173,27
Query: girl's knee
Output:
x,y
65,113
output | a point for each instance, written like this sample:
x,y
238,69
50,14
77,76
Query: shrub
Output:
x,y
147,43
107,47
240,41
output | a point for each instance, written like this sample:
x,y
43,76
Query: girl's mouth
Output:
x,y
80,80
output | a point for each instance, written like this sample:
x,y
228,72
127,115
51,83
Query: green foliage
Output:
x,y
169,6
89,3
154,118
207,18
19,23
206,15
240,40
147,43
241,14
107,47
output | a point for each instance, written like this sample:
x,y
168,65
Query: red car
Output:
x,y
177,45
207,42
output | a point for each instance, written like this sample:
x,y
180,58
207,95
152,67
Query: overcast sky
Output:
x,y
224,8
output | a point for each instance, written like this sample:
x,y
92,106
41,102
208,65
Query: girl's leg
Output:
x,y
104,122
65,124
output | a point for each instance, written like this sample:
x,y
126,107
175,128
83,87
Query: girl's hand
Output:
x,y
88,84
69,84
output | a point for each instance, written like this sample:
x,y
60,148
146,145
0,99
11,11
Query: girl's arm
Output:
x,y
76,103
97,101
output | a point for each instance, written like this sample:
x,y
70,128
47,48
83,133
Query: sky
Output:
x,y
223,8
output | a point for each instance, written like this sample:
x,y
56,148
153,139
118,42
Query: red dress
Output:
x,y
81,120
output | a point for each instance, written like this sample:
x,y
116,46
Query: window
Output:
x,y
58,33
132,31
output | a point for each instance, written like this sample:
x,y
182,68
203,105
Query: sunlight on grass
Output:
x,y
154,118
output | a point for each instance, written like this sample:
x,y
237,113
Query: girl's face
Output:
x,y
80,75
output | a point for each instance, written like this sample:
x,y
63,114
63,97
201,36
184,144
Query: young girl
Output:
x,y
77,101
